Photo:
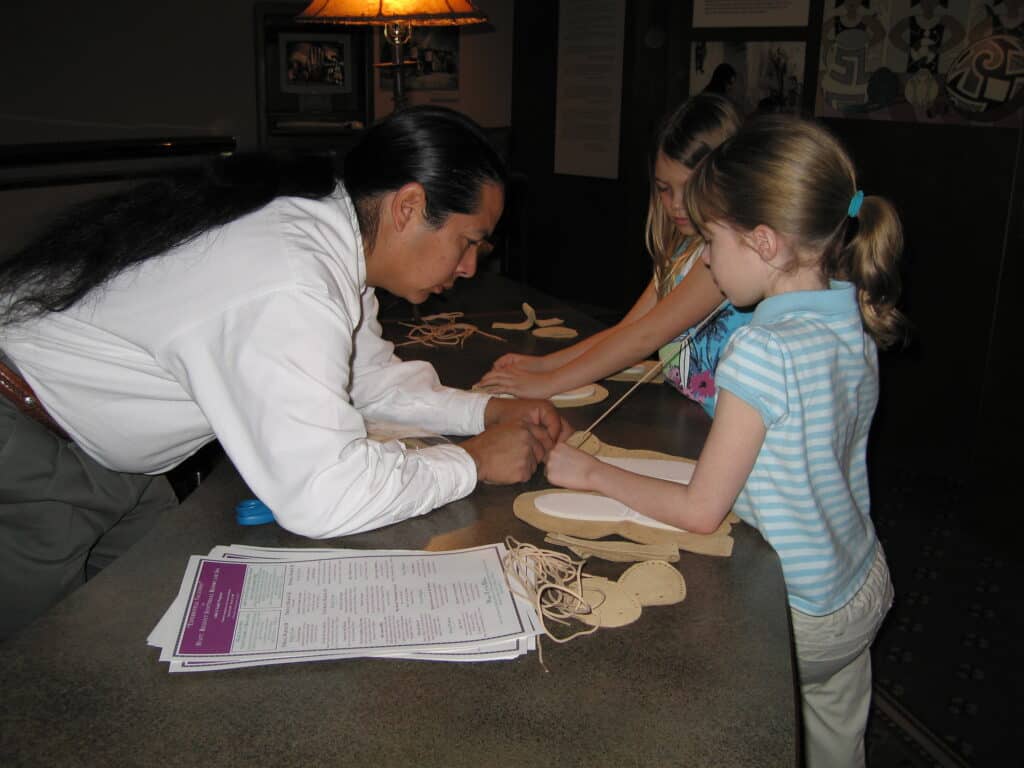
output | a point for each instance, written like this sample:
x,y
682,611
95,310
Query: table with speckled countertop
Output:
x,y
707,682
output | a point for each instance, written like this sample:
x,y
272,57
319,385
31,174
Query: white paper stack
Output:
x,y
245,606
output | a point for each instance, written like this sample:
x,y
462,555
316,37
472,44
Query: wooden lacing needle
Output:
x,y
581,437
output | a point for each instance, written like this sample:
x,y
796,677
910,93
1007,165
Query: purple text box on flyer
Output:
x,y
210,624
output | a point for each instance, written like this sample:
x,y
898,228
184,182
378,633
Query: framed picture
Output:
x,y
319,63
435,53
756,75
313,80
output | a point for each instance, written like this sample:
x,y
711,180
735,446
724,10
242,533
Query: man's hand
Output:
x,y
541,413
508,452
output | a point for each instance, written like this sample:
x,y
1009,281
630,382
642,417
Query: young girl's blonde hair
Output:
x,y
793,176
686,135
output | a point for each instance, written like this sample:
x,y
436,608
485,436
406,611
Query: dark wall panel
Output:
x,y
586,235
952,187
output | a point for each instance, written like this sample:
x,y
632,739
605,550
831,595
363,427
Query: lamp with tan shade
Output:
x,y
398,17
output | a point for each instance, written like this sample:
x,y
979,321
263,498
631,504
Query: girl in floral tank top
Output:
x,y
692,370
676,299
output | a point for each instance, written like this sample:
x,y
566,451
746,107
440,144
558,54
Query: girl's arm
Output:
x,y
686,305
729,453
550,362
644,304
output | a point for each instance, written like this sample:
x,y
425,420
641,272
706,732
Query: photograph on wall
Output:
x,y
315,63
936,61
758,76
435,51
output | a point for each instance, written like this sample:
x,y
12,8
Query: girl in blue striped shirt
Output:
x,y
789,233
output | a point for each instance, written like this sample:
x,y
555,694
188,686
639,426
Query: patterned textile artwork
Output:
x,y
938,61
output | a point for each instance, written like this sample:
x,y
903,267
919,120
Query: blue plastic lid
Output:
x,y
253,512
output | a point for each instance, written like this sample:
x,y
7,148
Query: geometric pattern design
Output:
x,y
986,81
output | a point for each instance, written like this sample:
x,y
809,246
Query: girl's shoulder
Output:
x,y
688,246
685,256
749,337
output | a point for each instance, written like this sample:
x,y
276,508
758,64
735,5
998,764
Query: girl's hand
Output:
x,y
531,363
515,381
572,468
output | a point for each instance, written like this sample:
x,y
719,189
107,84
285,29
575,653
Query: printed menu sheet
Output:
x,y
247,606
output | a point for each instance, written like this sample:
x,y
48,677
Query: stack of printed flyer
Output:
x,y
248,606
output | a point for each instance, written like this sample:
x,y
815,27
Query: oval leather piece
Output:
x,y
654,582
612,605
556,332
585,395
580,393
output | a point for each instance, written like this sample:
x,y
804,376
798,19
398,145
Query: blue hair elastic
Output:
x,y
855,202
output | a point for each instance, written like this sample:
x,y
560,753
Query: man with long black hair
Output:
x,y
241,307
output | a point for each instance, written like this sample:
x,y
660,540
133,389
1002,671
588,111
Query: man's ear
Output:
x,y
408,204
765,241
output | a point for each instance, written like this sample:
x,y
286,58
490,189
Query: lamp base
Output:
x,y
398,34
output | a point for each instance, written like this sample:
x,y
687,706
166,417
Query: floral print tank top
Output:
x,y
691,370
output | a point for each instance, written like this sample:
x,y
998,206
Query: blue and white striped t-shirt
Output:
x,y
806,365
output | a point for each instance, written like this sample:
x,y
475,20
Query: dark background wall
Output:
x,y
947,406
116,70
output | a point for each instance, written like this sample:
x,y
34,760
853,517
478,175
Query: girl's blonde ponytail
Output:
x,y
869,261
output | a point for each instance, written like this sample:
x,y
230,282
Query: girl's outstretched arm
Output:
x,y
550,362
737,434
621,346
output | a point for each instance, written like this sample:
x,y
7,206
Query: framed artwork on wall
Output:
x,y
955,62
315,63
756,75
434,52
313,80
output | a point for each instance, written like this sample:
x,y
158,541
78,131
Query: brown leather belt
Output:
x,y
17,390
